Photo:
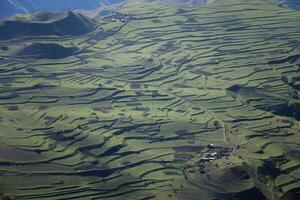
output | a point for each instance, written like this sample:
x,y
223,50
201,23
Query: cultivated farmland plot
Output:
x,y
153,102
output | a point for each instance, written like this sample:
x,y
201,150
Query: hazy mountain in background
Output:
x,y
12,7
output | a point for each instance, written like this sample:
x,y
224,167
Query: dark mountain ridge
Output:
x,y
47,24
13,7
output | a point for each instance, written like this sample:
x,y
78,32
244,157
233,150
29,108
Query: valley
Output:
x,y
154,102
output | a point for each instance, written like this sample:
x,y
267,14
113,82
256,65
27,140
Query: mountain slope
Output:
x,y
46,24
12,7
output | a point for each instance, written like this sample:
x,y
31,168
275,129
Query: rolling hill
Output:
x,y
160,103
293,4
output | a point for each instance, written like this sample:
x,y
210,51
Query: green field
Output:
x,y
130,115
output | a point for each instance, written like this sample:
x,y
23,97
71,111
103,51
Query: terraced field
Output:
x,y
157,102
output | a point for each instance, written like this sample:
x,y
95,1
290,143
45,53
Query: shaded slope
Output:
x,y
294,4
45,50
265,100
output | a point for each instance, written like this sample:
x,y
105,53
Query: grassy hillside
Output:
x,y
160,103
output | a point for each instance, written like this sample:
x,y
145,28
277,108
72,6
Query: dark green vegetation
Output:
x,y
159,103
45,50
